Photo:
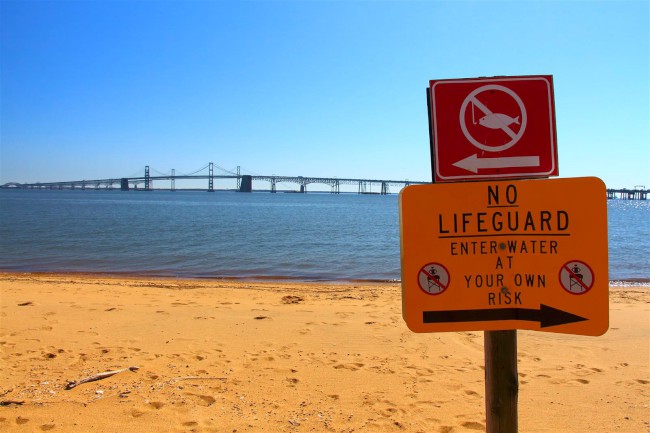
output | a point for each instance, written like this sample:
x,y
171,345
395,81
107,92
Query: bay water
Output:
x,y
193,234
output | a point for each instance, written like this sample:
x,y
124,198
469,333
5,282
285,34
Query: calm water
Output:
x,y
227,234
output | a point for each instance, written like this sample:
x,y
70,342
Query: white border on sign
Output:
x,y
493,80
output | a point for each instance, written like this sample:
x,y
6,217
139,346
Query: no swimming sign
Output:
x,y
503,255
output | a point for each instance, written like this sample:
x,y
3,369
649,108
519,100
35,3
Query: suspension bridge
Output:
x,y
244,183
211,173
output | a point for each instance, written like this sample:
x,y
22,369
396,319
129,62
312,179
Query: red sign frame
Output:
x,y
493,128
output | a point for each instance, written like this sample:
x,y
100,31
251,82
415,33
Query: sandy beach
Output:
x,y
223,356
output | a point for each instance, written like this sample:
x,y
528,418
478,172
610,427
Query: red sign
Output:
x,y
491,128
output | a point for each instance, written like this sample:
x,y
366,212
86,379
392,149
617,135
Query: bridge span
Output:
x,y
244,183
241,182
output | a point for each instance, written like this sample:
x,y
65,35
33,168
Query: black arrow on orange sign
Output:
x,y
546,316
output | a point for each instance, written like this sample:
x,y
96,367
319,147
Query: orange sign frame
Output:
x,y
503,255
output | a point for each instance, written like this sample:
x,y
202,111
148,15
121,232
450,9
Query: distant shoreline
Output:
x,y
629,282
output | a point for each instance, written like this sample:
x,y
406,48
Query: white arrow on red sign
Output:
x,y
473,163
493,127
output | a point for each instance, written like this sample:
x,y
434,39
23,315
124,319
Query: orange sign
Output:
x,y
502,255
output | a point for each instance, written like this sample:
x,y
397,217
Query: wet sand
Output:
x,y
221,356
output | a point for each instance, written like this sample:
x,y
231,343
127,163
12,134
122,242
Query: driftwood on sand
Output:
x,y
99,376
10,402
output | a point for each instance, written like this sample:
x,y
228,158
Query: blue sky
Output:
x,y
99,89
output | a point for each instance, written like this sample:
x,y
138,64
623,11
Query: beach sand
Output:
x,y
221,356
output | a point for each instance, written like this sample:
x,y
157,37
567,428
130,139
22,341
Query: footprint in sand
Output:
x,y
204,400
46,427
473,425
20,420
291,299
353,366
388,412
426,405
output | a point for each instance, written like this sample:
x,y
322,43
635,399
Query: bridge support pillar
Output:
x,y
124,184
246,183
211,177
147,179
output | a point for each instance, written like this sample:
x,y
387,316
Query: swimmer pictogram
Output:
x,y
576,277
433,278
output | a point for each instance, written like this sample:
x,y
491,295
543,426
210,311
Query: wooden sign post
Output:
x,y
501,382
501,253
497,256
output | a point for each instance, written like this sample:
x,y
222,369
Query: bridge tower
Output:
x,y
211,177
246,183
147,179
173,179
273,187
238,178
384,188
